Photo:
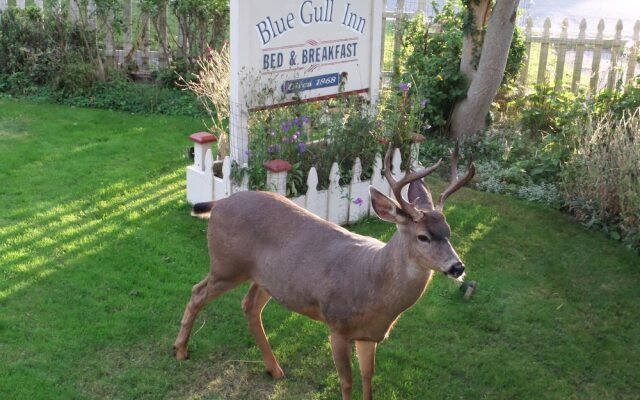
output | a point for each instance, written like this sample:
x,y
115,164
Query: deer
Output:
x,y
358,286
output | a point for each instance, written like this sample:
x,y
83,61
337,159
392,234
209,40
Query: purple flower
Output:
x,y
358,201
270,149
297,121
247,153
272,133
305,119
404,87
294,138
424,103
301,147
286,126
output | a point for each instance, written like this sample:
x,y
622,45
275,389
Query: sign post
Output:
x,y
284,51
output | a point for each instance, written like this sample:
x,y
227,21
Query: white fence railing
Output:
x,y
338,204
592,60
576,59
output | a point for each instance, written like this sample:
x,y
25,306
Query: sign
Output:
x,y
303,49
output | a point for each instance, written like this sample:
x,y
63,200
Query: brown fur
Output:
x,y
356,285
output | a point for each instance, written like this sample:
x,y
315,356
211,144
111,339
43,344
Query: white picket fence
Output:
x,y
583,59
338,204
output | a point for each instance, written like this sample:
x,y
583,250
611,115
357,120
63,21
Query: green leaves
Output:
x,y
431,62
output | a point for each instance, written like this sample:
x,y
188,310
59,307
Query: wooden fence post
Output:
x,y
377,180
20,3
396,171
277,171
597,54
338,203
633,53
183,43
561,50
200,174
4,4
358,194
128,26
109,46
544,52
312,199
615,54
397,36
74,10
163,57
145,42
524,74
577,64
90,12
382,42
222,186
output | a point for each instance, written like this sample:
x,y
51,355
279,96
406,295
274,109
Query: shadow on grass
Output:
x,y
74,232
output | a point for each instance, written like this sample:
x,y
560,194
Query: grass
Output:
x,y
98,255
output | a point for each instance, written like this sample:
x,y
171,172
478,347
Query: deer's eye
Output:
x,y
423,238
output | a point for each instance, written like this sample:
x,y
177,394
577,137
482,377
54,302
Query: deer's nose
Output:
x,y
456,270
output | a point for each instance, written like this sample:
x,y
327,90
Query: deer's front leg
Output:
x,y
253,304
201,294
366,352
341,351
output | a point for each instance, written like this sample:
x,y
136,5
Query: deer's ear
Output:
x,y
419,195
386,208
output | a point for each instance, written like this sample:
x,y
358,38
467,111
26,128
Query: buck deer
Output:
x,y
356,285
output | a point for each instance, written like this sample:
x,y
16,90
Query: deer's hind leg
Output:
x,y
201,294
253,304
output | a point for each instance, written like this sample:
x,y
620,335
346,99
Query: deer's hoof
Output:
x,y
276,372
181,354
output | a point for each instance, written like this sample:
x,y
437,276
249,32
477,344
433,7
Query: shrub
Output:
x,y
431,61
601,182
543,193
547,110
46,49
131,97
45,56
619,101
204,24
212,85
402,115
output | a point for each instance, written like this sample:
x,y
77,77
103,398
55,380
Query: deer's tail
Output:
x,y
202,210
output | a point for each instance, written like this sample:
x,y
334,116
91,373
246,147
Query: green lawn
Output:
x,y
98,255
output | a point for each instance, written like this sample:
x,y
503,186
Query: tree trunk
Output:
x,y
474,36
469,115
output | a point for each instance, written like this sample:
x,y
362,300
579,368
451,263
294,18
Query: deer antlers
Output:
x,y
455,182
396,186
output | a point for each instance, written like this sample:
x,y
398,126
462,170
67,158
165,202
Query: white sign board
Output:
x,y
301,49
